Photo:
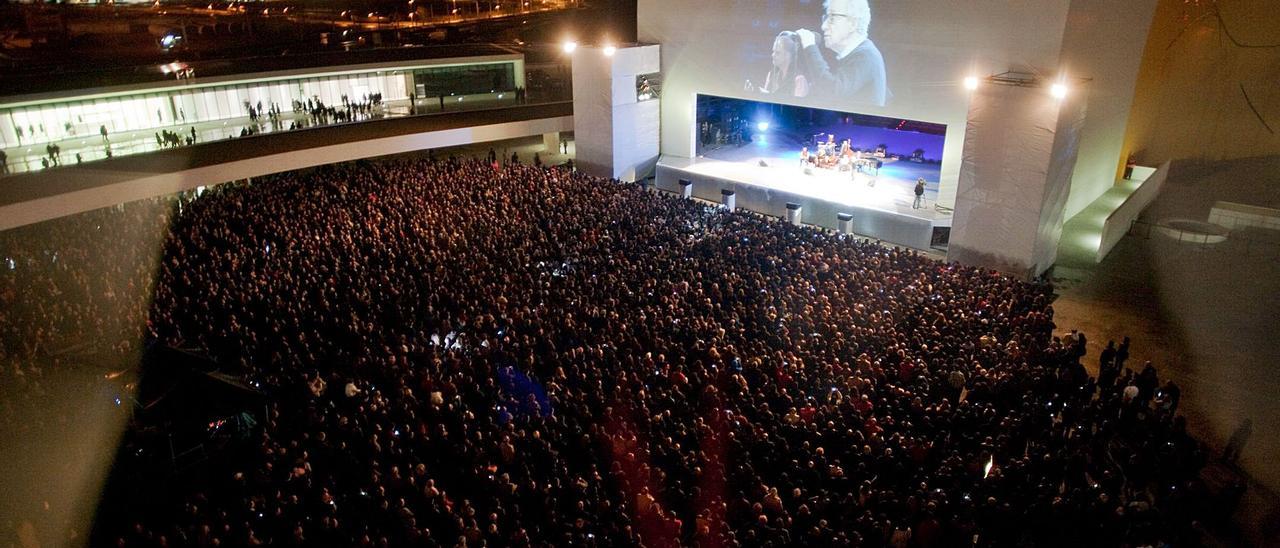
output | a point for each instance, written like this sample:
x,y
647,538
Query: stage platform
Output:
x,y
765,184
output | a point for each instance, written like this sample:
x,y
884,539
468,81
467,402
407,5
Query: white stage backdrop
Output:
x,y
912,66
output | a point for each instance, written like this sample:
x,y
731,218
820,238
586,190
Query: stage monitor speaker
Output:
x,y
846,222
729,198
764,163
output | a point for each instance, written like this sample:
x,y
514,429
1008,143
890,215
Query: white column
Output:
x,y
1019,151
615,135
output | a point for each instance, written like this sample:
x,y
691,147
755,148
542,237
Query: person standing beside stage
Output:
x,y
804,156
919,194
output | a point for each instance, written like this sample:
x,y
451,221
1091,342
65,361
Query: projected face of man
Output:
x,y
842,25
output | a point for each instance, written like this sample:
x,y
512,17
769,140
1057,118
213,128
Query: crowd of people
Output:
x,y
456,353
74,302
320,114
173,139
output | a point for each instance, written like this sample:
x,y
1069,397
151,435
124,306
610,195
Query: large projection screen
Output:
x,y
909,63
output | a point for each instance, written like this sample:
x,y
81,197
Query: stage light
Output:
x,y
1059,91
971,83
763,126
570,46
609,51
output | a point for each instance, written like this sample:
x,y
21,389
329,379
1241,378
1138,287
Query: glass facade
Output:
x,y
44,122
464,80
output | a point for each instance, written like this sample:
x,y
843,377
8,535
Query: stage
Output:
x,y
881,211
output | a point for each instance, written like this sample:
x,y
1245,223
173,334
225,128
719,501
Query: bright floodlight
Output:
x,y
609,51
763,126
971,83
1058,91
570,46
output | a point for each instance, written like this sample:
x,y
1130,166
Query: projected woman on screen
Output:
x,y
783,77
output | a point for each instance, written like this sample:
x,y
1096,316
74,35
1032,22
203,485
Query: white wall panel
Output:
x,y
1104,42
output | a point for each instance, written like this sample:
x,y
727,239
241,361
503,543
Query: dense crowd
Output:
x,y
74,300
462,354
